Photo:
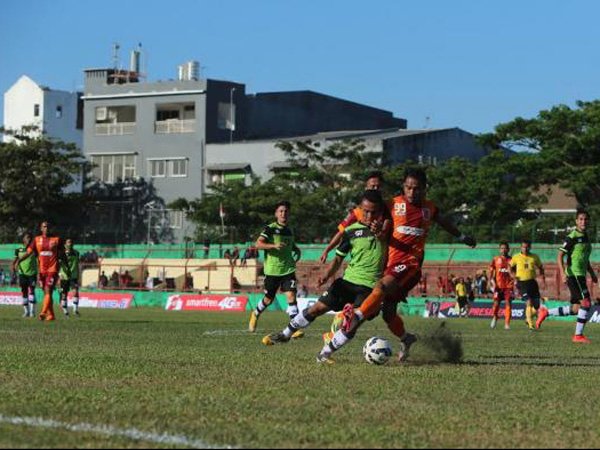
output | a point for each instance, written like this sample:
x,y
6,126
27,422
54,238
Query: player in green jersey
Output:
x,y
69,278
25,266
367,257
577,248
281,255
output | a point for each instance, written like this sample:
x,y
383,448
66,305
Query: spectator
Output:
x,y
126,279
103,281
423,285
149,281
2,276
470,289
206,248
188,284
227,255
234,256
462,302
114,280
235,285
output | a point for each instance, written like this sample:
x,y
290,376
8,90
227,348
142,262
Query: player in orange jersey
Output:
x,y
412,215
49,251
502,285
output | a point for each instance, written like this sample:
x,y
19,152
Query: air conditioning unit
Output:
x,y
101,113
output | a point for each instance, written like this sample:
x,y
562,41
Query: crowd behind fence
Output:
x,y
237,272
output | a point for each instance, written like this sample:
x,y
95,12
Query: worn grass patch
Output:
x,y
202,376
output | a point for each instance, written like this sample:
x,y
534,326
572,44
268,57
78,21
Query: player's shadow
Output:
x,y
538,360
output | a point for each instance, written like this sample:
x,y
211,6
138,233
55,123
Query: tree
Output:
x,y
34,174
562,145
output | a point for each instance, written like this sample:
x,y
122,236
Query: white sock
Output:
x,y
298,321
292,310
25,306
581,321
338,341
76,304
260,307
32,307
560,311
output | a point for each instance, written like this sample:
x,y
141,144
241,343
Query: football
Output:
x,y
377,350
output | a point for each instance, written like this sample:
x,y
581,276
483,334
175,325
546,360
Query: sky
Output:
x,y
436,63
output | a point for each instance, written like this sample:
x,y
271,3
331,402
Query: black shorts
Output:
x,y
578,288
462,301
530,291
27,282
287,283
341,292
67,285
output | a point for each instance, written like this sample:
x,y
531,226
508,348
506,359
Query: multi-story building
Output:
x,y
57,114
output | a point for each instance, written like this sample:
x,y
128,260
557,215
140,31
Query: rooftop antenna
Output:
x,y
427,122
116,48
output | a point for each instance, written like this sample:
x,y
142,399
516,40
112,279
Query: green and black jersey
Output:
x,y
69,267
279,262
578,249
366,255
27,267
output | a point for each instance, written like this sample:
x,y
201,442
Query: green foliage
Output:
x,y
34,172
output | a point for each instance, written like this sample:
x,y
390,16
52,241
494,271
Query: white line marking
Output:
x,y
107,430
225,332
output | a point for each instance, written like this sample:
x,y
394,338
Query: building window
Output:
x,y
158,168
36,110
59,112
226,116
175,219
223,177
112,168
179,167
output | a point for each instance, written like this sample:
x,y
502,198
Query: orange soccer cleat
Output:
x,y
581,339
542,314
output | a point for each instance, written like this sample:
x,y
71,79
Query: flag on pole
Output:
x,y
221,211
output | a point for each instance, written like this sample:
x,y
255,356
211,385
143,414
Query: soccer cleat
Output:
x,y
298,334
76,312
542,314
274,338
405,345
327,337
493,324
350,318
252,323
580,339
42,317
325,359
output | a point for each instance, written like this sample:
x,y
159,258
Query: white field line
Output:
x,y
226,332
107,430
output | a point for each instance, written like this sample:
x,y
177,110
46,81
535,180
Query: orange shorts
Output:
x,y
48,280
503,294
406,273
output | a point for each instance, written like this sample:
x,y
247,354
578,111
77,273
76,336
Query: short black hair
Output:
x,y
417,174
504,243
285,203
374,174
581,210
526,241
373,197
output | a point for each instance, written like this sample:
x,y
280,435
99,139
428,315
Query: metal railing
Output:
x,y
115,129
175,126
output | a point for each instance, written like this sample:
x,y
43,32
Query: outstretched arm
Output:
x,y
335,240
331,271
447,225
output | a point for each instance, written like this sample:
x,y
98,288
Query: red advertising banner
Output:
x,y
104,300
184,302
11,298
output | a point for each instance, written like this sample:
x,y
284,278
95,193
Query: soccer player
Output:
x,y
373,182
502,285
577,248
367,257
462,301
69,278
25,266
412,216
49,250
281,255
524,267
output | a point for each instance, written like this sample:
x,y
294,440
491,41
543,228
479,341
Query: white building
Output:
x,y
57,114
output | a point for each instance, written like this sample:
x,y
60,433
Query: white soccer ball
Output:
x,y
377,350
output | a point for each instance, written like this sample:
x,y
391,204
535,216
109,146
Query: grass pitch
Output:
x,y
204,377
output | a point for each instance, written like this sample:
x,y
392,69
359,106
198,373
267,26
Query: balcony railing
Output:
x,y
175,126
115,129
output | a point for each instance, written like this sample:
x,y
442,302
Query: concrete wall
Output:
x,y
285,114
